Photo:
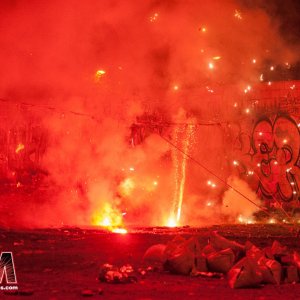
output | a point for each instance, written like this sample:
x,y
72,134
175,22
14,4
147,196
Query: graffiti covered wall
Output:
x,y
23,142
268,142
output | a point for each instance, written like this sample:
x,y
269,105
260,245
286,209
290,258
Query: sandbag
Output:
x,y
155,253
254,252
180,262
193,245
274,268
267,275
291,274
221,261
183,256
200,263
208,249
172,246
245,273
277,249
268,252
220,243
287,260
296,257
248,245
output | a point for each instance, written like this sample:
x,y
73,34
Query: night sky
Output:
x,y
285,15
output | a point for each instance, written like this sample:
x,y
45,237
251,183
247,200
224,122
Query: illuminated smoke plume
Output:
x,y
235,206
85,70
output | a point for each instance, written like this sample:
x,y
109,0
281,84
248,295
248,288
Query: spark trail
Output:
x,y
184,138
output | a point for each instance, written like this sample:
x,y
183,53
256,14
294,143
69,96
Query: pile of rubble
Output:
x,y
112,274
244,265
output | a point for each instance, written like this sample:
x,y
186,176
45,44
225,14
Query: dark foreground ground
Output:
x,y
60,263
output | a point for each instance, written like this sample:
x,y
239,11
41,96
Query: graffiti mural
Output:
x,y
269,158
276,146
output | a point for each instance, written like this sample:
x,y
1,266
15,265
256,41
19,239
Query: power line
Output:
x,y
215,175
96,119
226,183
51,108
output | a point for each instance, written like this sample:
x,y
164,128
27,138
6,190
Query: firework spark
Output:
x,y
184,140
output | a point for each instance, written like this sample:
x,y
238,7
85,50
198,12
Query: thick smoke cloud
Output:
x,y
153,56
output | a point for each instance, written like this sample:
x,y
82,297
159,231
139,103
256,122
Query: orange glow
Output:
x,y
109,218
148,108
19,148
119,230
171,222
245,220
238,14
153,18
99,74
126,187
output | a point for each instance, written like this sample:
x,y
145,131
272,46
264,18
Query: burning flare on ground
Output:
x,y
110,218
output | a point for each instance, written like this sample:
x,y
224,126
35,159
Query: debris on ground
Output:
x,y
244,265
112,274
155,253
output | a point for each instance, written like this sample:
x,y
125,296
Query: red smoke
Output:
x,y
192,59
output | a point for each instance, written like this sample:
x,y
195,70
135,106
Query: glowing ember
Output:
x,y
238,14
154,17
99,74
211,66
19,148
261,77
235,163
